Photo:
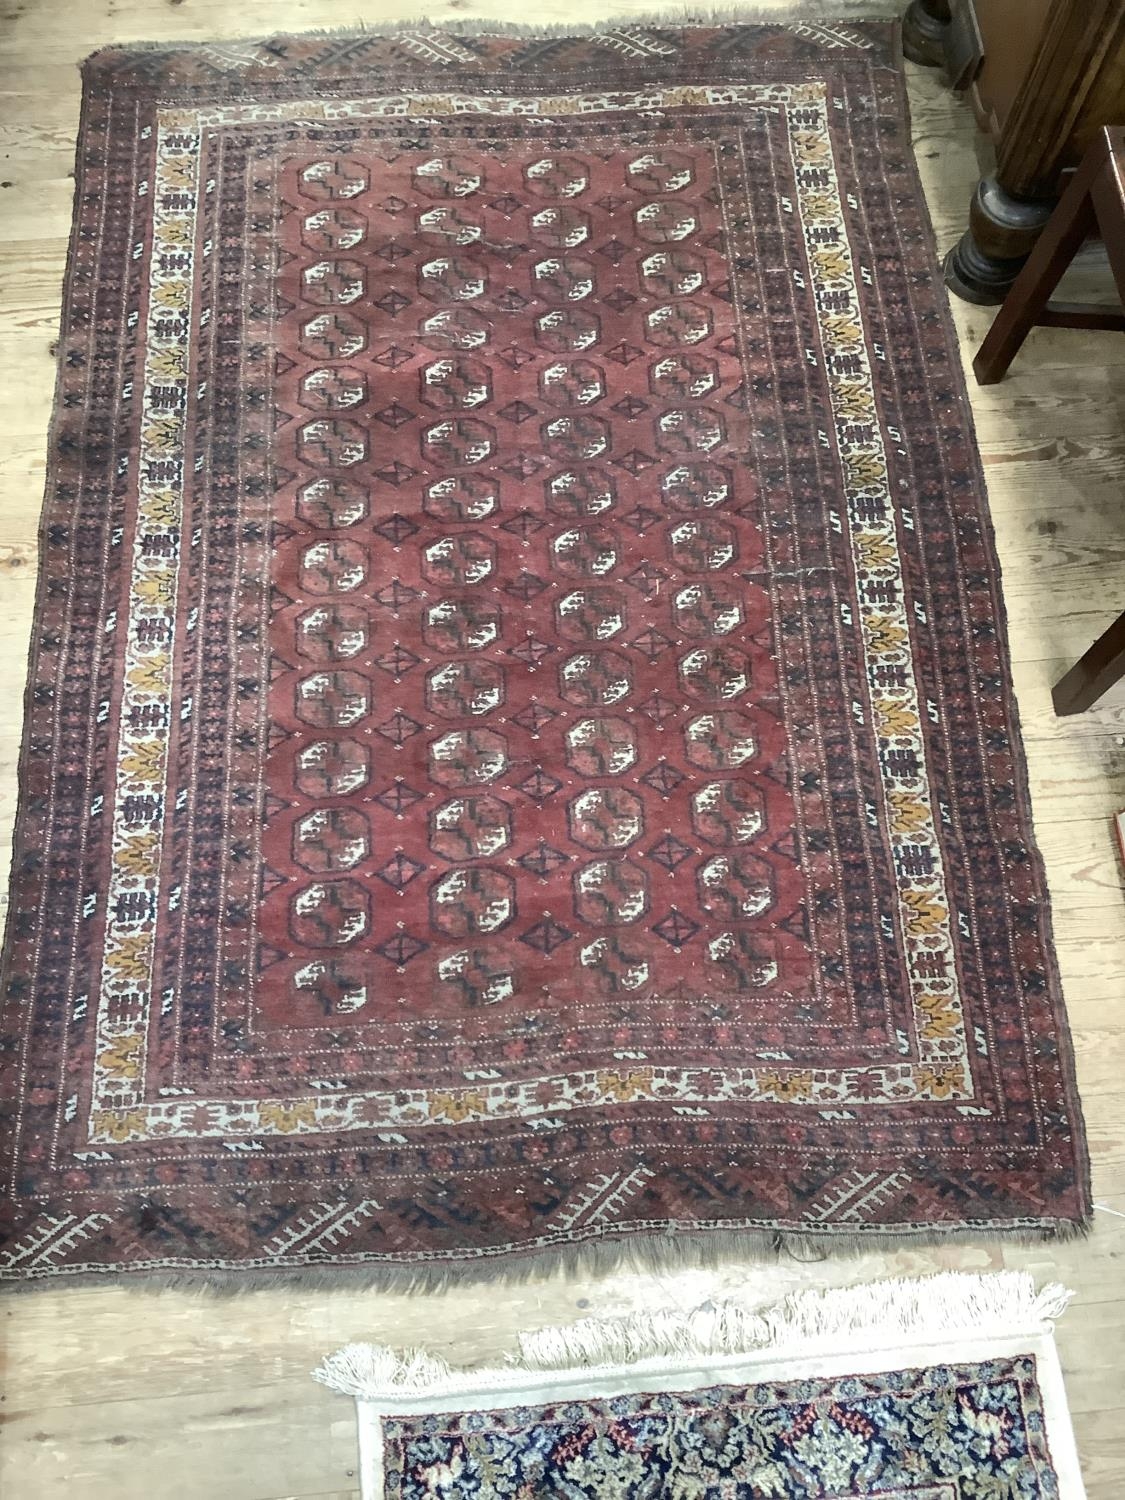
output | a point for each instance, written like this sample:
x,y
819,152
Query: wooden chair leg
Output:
x,y
1108,196
1055,248
1094,674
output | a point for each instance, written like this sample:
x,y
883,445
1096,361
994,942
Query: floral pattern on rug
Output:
x,y
950,1432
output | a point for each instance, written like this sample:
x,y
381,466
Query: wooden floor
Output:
x,y
120,1393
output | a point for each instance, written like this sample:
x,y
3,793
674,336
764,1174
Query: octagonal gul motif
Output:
x,y
566,330
691,429
616,969
449,225
673,273
610,893
707,608
452,278
467,757
456,383
333,335
717,674
683,377
340,986
567,278
605,817
580,492
471,902
595,679
563,228
720,741
585,551
333,388
460,689
591,614
561,176
695,486
745,960
334,229
333,283
332,768
459,560
452,176
475,977
575,437
678,324
735,887
332,442
332,503
332,700
659,171
572,383
329,913
605,746
728,812
665,223
452,625
461,497
331,838
331,632
333,566
458,441
454,328
470,828
340,178
702,545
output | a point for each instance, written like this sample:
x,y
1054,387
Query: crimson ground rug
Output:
x,y
520,750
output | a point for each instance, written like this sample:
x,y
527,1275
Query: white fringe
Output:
x,y
843,1319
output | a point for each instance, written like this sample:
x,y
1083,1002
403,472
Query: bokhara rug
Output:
x,y
520,750
947,1388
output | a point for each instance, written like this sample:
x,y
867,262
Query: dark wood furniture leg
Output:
x,y
1094,200
923,32
1010,208
1095,673
1069,226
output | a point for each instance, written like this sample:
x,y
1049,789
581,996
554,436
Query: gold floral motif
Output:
x,y
287,1116
894,717
941,1018
624,1086
143,761
129,957
909,812
138,854
787,1087
118,1125
457,1106
924,915
122,1057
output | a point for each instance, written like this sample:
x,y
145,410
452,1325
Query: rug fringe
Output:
x,y
874,1315
679,1247
687,17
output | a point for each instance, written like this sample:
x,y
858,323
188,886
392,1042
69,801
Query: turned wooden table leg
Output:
x,y
1011,207
923,32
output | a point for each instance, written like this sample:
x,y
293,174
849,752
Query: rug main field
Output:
x,y
520,744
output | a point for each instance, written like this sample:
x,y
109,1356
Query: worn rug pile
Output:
x,y
941,1389
520,753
